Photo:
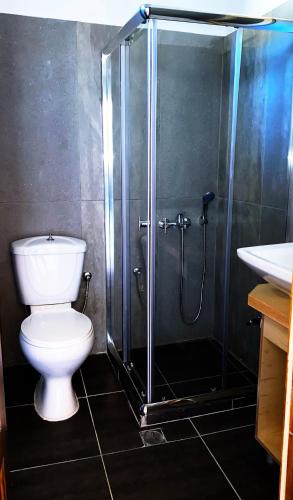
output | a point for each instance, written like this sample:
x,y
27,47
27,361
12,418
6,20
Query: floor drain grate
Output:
x,y
151,437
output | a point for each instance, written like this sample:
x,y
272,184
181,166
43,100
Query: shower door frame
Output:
x,y
148,412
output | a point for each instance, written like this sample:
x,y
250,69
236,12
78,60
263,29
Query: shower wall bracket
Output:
x,y
142,223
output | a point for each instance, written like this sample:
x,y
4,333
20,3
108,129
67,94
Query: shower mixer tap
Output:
x,y
181,222
166,224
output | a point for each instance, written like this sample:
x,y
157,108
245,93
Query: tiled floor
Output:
x,y
99,454
190,368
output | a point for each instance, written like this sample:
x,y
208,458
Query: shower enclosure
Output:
x,y
197,135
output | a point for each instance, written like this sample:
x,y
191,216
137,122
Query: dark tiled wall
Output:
x,y
188,114
189,106
51,151
286,11
261,172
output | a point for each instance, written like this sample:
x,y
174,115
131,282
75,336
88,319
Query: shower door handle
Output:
x,y
142,223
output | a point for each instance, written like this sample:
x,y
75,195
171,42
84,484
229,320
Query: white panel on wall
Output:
x,y
117,13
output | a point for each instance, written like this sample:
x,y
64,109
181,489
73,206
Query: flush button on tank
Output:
x,y
50,237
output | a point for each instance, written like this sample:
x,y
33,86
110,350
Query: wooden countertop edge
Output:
x,y
271,302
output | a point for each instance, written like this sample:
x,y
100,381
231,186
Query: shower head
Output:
x,y
207,198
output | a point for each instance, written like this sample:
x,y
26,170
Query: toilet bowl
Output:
x,y
55,338
56,342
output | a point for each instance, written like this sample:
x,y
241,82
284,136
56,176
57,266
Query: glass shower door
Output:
x,y
126,191
197,101
134,207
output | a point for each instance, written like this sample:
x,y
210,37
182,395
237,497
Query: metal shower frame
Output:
x,y
148,15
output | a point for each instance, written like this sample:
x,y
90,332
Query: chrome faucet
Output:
x,y
181,222
166,224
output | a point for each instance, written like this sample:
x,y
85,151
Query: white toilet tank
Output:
x,y
48,269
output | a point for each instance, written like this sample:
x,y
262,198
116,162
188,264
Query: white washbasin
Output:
x,y
274,263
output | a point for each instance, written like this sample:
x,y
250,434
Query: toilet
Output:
x,y
55,338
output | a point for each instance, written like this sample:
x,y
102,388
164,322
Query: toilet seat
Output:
x,y
56,329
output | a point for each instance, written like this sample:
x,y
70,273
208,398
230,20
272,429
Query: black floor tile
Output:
x,y
245,463
80,480
181,429
33,441
174,431
195,387
249,399
209,384
20,382
233,363
77,384
225,420
176,471
207,407
250,377
189,360
139,360
162,393
99,376
115,424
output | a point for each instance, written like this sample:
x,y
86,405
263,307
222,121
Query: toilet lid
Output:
x,y
56,329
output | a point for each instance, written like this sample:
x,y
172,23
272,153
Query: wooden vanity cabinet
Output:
x,y
274,422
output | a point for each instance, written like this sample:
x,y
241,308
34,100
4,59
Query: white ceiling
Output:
x,y
117,13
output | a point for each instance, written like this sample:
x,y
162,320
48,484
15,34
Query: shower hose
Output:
x,y
197,314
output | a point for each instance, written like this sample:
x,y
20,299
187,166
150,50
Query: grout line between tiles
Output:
x,y
223,411
8,407
54,463
78,397
150,446
184,381
133,412
97,438
227,430
167,383
216,461
100,394
197,436
19,406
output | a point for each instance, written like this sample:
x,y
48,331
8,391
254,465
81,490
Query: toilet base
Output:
x,y
55,399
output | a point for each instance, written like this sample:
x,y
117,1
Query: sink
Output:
x,y
273,263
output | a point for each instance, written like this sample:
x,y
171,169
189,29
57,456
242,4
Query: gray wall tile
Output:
x,y
39,159
261,176
277,134
91,39
272,226
189,112
220,267
243,340
137,118
250,123
92,215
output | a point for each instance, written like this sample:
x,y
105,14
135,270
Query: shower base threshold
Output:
x,y
177,408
